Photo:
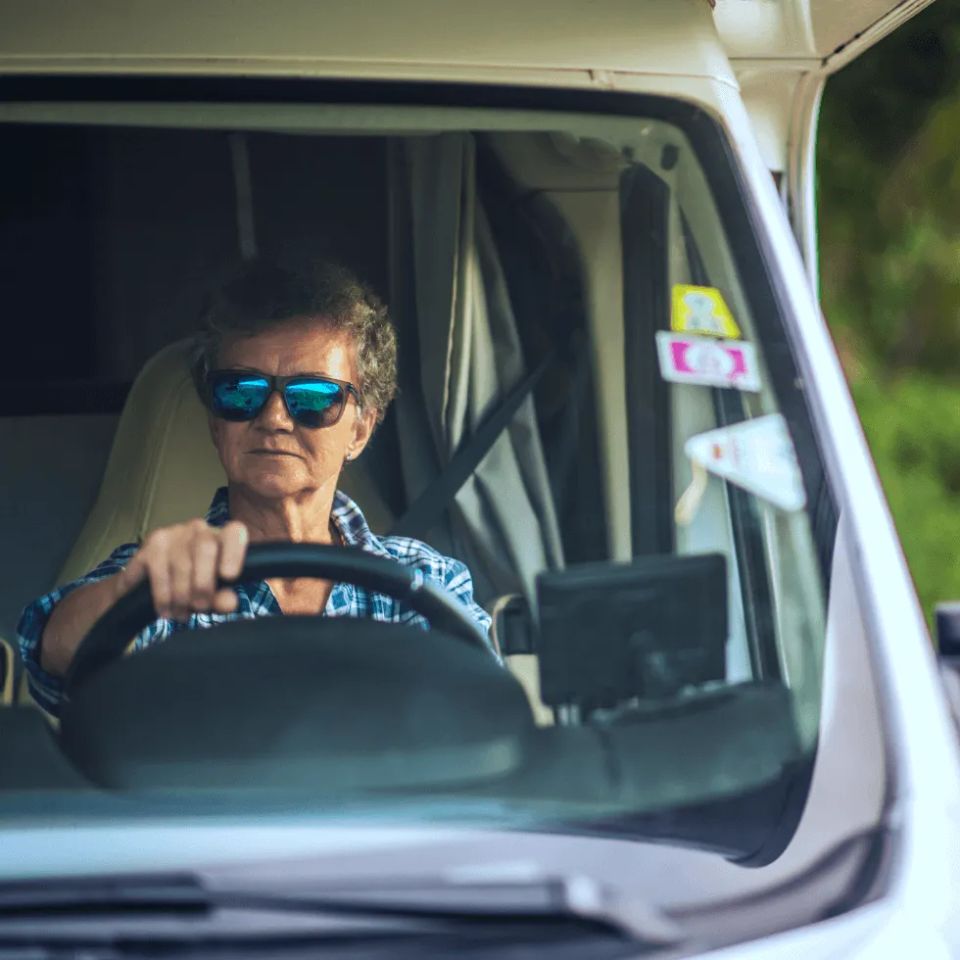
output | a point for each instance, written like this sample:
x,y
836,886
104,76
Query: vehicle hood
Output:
x,y
299,851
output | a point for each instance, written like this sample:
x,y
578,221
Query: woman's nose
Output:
x,y
274,415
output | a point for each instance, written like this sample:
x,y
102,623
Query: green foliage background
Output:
x,y
889,208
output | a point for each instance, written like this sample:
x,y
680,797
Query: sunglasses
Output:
x,y
312,401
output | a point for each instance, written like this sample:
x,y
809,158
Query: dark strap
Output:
x,y
645,211
424,512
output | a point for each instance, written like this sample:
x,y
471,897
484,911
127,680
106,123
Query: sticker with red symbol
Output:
x,y
757,455
707,362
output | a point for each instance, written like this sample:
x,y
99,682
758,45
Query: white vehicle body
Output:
x,y
758,70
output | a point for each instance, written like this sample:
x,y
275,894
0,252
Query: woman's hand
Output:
x,y
183,563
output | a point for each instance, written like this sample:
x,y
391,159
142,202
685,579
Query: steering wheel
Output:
x,y
110,635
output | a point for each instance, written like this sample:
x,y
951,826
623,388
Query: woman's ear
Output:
x,y
363,427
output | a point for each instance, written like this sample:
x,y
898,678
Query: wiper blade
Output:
x,y
168,892
575,900
408,906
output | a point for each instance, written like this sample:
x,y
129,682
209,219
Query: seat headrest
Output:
x,y
163,467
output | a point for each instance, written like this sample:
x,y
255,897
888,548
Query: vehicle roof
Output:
x,y
438,39
446,39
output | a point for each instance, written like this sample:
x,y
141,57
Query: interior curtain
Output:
x,y
460,353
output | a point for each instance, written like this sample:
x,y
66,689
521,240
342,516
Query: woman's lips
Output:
x,y
263,452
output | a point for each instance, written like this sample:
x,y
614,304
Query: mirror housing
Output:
x,y
948,647
948,629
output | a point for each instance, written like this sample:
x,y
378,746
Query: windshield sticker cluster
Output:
x,y
708,362
757,455
702,311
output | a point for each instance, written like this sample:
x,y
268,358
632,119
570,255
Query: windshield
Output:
x,y
597,417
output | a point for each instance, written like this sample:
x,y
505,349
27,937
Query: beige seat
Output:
x,y
524,666
7,667
163,468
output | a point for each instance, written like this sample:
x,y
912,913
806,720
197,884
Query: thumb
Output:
x,y
134,573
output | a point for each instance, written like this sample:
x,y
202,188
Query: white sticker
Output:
x,y
707,362
757,455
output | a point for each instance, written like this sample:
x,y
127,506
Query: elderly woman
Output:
x,y
295,371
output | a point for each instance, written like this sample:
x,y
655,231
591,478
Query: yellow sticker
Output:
x,y
702,310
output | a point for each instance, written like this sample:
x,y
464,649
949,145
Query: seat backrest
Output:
x,y
8,664
163,467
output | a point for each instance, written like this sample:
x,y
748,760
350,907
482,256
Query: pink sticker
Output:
x,y
707,361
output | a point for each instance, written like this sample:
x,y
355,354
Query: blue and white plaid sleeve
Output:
x,y
457,580
46,688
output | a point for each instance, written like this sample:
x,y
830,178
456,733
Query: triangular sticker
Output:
x,y
757,455
703,311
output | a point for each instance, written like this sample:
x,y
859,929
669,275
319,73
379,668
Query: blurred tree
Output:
x,y
889,207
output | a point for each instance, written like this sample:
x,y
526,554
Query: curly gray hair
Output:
x,y
262,295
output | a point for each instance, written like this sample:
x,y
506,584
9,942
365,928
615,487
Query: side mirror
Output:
x,y
948,645
948,629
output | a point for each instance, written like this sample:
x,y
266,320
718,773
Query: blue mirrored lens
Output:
x,y
240,397
314,403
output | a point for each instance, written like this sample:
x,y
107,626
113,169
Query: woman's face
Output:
x,y
273,456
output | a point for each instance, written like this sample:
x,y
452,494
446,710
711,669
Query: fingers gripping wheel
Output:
x,y
111,634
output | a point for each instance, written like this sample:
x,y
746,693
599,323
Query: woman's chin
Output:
x,y
274,482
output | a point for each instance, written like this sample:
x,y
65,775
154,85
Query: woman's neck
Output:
x,y
304,517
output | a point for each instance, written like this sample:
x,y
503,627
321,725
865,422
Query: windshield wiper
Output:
x,y
183,909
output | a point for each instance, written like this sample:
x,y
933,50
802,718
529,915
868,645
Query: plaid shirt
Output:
x,y
256,598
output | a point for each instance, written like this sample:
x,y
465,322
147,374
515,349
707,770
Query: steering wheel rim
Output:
x,y
109,637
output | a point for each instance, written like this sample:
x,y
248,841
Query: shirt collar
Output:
x,y
219,512
347,517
